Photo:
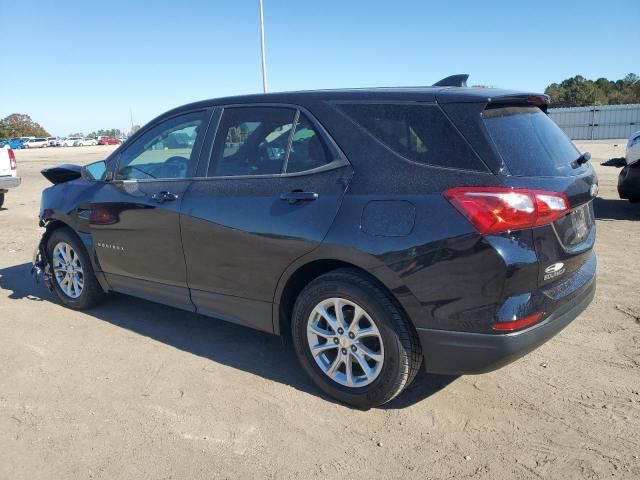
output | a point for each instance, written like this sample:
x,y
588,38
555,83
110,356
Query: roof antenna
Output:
x,y
459,80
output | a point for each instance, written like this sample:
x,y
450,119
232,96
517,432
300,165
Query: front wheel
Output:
x,y
1,199
353,339
73,280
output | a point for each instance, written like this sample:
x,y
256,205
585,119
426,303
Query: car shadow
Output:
x,y
615,209
259,353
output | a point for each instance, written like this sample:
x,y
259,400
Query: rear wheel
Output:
x,y
1,199
73,280
353,339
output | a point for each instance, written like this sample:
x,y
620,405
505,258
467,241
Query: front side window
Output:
x,y
252,141
420,133
165,151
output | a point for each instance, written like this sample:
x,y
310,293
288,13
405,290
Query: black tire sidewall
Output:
x,y
386,383
91,291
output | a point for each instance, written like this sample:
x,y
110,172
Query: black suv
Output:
x,y
377,227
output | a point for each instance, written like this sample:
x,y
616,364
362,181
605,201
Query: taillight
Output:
x,y
12,160
517,324
500,209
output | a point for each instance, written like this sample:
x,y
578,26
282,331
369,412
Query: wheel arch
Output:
x,y
301,273
52,224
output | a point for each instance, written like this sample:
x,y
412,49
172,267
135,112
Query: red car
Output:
x,y
108,141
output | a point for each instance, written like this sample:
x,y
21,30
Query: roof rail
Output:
x,y
459,80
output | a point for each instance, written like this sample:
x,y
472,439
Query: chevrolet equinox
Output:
x,y
379,228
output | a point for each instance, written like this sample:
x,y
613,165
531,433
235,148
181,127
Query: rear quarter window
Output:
x,y
530,143
420,133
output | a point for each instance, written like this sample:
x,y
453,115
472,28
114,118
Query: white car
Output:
x,y
8,172
53,141
69,141
83,142
36,143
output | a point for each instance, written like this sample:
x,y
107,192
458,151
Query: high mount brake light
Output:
x,y
12,159
500,209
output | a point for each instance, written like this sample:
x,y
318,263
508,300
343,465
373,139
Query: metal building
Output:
x,y
597,122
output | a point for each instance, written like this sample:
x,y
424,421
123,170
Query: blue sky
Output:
x,y
74,66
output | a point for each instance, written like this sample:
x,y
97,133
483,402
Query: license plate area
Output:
x,y
574,228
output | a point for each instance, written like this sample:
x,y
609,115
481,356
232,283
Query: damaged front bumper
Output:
x,y
41,264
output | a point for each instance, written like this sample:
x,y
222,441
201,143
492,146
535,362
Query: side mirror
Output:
x,y
96,171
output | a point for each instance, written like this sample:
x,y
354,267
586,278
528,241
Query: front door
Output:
x,y
273,188
135,218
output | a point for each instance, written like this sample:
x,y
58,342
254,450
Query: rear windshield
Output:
x,y
530,143
420,133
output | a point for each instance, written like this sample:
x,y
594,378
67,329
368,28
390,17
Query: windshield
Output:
x,y
530,143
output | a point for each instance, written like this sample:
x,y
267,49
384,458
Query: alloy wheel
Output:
x,y
345,342
67,270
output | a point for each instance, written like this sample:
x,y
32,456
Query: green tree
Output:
x,y
579,91
20,125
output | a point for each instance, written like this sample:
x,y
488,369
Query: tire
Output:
x,y
395,339
91,293
1,199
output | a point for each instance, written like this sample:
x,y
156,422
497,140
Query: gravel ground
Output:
x,y
138,390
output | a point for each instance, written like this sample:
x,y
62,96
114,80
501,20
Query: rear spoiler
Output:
x,y
540,101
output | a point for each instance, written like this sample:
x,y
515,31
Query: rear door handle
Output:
x,y
164,197
298,196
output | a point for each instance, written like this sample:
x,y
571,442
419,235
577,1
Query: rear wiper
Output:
x,y
582,159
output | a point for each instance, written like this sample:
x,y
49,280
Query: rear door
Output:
x,y
135,218
537,154
272,190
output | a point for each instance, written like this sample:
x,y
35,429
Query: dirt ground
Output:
x,y
138,390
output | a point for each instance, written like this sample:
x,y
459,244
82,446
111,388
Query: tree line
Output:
x,y
579,91
21,125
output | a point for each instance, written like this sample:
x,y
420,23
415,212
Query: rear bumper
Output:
x,y
462,353
9,182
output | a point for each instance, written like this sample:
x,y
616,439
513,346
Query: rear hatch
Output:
x,y
533,153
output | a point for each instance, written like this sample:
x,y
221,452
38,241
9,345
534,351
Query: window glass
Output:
x,y
418,132
530,143
165,151
251,141
307,148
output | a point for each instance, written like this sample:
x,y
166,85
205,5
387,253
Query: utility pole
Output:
x,y
264,62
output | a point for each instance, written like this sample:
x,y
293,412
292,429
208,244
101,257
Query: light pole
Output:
x,y
264,62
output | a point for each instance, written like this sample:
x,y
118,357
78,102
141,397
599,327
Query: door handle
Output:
x,y
164,197
298,196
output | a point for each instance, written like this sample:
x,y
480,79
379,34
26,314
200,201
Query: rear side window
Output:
x,y
418,132
252,141
307,148
530,143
